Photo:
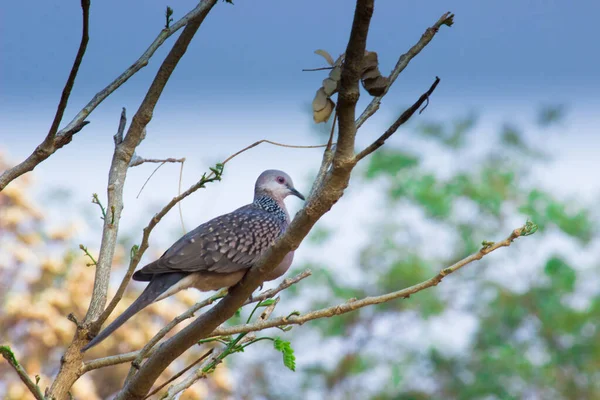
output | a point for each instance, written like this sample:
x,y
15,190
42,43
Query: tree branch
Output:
x,y
446,19
65,135
51,143
138,356
200,372
349,89
318,204
10,358
401,120
353,304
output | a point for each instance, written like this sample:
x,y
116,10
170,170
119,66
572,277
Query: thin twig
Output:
x,y
401,120
162,162
12,361
316,69
446,19
179,193
354,304
273,143
177,375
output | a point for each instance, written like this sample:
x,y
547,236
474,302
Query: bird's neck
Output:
x,y
273,206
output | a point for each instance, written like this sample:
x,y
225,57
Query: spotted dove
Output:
x,y
219,252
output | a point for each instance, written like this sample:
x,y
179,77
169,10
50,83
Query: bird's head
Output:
x,y
275,184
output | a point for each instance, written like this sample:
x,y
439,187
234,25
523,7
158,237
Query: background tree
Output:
x,y
509,331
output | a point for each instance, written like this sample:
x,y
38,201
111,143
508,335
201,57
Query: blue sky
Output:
x,y
241,81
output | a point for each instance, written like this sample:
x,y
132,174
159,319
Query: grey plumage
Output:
x,y
219,252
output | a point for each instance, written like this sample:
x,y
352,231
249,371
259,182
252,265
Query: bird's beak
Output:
x,y
296,193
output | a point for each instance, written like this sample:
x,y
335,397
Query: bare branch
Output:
x,y
12,361
51,143
446,19
401,120
354,304
317,205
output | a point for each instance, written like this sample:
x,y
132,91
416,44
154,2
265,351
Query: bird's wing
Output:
x,y
226,244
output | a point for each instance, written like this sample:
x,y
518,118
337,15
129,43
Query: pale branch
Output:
x,y
138,356
201,372
317,205
118,137
352,304
52,143
137,160
111,360
401,120
446,19
135,134
70,369
9,356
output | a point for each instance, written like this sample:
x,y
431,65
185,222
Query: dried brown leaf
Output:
x,y
325,55
320,100
324,114
329,86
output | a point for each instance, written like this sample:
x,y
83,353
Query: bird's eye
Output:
x,y
280,179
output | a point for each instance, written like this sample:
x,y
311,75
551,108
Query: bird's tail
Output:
x,y
157,286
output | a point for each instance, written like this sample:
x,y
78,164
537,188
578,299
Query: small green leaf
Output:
x,y
289,359
266,303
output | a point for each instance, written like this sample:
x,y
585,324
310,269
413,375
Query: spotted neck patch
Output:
x,y
271,206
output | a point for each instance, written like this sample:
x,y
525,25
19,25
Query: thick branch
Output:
x,y
446,19
51,143
138,356
10,358
401,120
353,304
317,205
349,89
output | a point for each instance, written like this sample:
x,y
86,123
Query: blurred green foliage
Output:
x,y
534,337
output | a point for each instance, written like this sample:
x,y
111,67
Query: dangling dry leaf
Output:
x,y
320,100
371,78
325,55
324,114
336,73
329,86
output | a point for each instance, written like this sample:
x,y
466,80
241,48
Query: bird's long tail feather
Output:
x,y
157,286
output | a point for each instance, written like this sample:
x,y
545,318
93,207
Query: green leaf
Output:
x,y
266,303
289,359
